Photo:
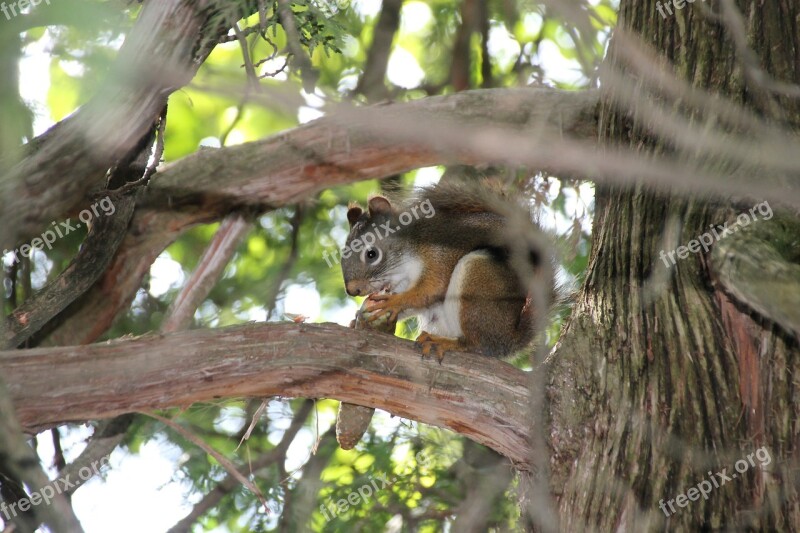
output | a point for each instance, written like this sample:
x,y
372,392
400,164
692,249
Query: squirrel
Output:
x,y
464,269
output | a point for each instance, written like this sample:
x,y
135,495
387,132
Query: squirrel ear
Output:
x,y
353,213
379,205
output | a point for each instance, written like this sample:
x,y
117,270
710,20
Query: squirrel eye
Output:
x,y
373,255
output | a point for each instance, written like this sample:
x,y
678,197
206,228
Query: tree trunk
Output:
x,y
663,382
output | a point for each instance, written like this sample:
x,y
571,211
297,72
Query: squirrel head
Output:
x,y
372,252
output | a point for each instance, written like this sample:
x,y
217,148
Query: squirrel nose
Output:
x,y
352,288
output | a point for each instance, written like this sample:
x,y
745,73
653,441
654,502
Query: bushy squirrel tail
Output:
x,y
464,197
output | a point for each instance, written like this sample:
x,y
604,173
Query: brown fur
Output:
x,y
495,313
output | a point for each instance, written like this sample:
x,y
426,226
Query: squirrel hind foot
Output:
x,y
434,345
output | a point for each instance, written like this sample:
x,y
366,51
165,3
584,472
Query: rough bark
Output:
x,y
660,376
661,379
477,396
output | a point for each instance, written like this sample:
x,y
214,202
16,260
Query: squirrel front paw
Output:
x,y
438,346
384,305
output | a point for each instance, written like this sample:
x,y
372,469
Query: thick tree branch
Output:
x,y
342,148
543,129
480,397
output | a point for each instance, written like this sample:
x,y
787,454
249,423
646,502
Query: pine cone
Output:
x,y
353,420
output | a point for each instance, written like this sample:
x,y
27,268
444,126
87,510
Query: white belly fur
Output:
x,y
444,319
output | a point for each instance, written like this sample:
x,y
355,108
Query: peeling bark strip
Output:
x,y
744,337
480,397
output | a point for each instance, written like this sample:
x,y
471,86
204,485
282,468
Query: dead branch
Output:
x,y
209,269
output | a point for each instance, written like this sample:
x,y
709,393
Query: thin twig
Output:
x,y
221,459
252,78
276,456
294,250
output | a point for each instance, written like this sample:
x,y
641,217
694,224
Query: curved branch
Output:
x,y
477,396
344,147
83,321
538,128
